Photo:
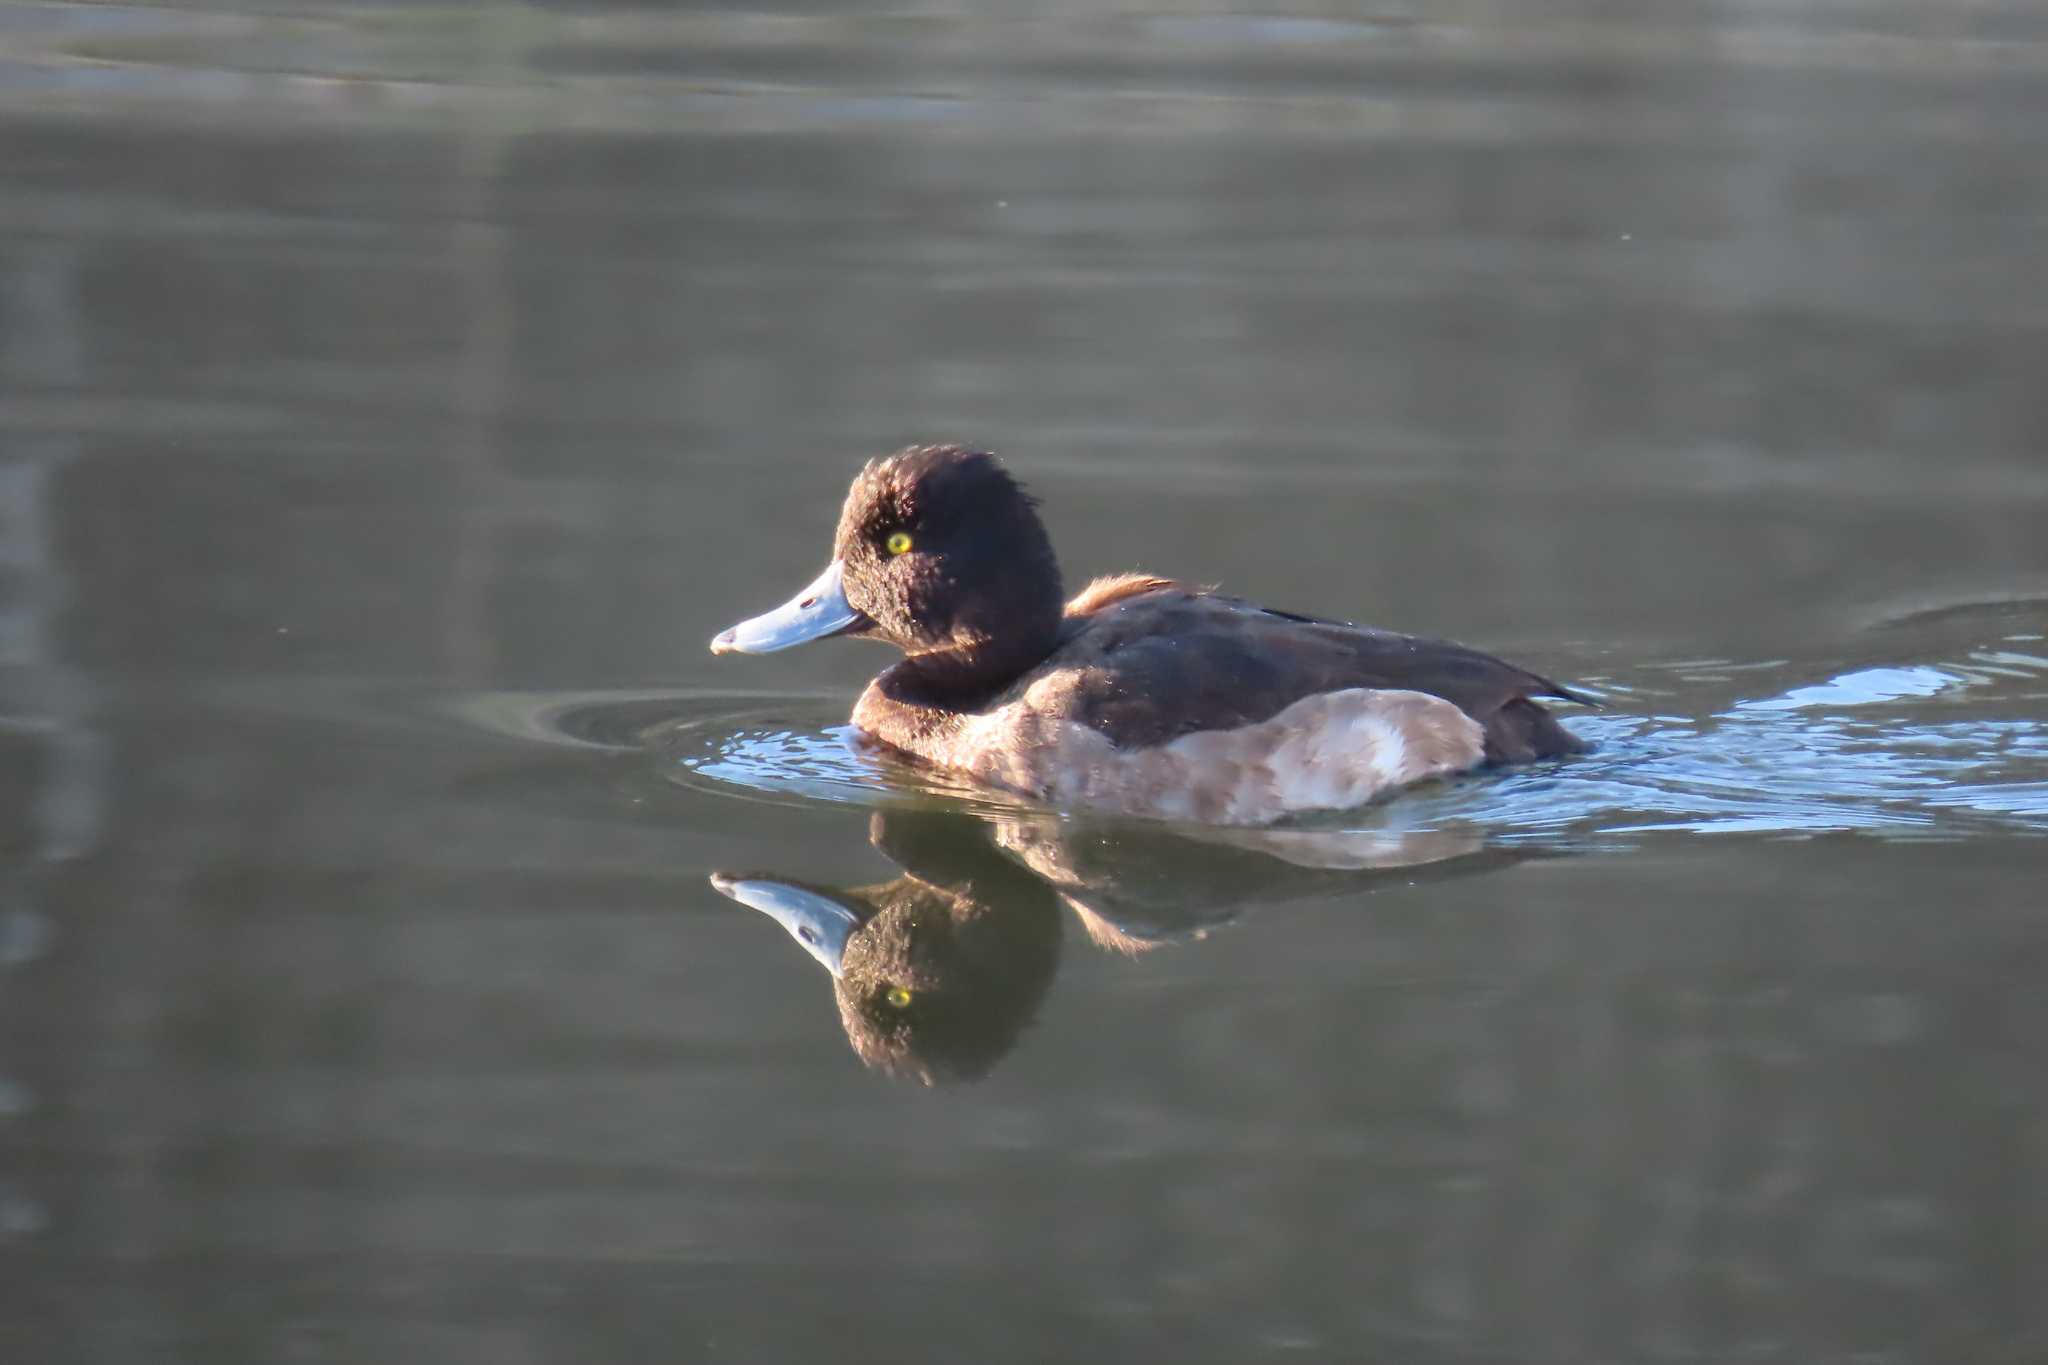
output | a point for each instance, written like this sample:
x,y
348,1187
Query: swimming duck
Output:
x,y
1141,695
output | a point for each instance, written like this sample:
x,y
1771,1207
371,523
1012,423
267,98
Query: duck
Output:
x,y
1141,695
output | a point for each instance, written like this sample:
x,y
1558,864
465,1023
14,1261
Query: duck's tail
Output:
x,y
1522,730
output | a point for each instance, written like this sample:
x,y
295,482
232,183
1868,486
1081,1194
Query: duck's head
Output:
x,y
940,553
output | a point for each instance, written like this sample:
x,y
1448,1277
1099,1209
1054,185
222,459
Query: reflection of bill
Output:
x,y
939,971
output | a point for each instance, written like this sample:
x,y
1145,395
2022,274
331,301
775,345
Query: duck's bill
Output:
x,y
813,919
821,609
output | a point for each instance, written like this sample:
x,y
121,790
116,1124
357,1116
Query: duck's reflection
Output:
x,y
939,971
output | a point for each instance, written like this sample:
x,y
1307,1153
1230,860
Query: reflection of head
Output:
x,y
940,983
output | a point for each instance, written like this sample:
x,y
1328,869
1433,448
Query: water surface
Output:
x,y
393,401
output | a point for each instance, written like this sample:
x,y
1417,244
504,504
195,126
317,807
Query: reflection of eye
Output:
x,y
898,997
898,543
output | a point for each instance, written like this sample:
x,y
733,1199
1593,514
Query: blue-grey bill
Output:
x,y
817,921
821,609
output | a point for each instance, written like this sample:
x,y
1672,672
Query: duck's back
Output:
x,y
1157,661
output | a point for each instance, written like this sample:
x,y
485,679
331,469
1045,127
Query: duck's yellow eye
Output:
x,y
898,997
898,543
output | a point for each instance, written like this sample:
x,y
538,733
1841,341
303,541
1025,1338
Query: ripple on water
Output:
x,y
747,745
1948,749
771,753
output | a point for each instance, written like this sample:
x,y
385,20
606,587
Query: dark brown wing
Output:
x,y
1157,665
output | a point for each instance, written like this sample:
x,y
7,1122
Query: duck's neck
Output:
x,y
967,676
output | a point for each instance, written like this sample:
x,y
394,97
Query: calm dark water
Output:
x,y
393,401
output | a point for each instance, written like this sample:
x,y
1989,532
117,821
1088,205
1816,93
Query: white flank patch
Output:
x,y
1326,752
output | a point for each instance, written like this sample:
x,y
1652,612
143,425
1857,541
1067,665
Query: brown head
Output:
x,y
940,553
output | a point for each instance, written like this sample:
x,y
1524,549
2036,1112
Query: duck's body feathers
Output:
x,y
1164,699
